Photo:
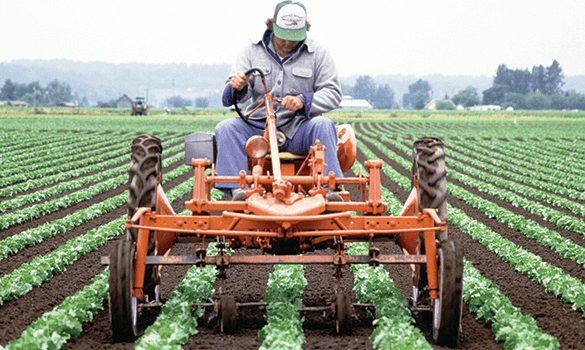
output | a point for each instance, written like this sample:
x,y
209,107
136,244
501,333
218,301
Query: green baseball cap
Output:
x,y
290,21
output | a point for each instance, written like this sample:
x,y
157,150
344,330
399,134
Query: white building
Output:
x,y
349,103
485,108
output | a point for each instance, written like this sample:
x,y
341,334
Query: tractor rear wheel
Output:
x,y
429,164
228,314
144,177
342,314
123,306
448,307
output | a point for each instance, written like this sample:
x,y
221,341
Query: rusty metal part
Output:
x,y
280,259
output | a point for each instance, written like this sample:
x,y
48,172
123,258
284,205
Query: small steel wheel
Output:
x,y
448,307
228,314
342,314
123,306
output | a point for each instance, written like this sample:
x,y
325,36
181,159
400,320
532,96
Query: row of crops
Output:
x,y
50,164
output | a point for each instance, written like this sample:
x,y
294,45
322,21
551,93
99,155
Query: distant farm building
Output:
x,y
486,108
14,103
124,102
349,103
432,105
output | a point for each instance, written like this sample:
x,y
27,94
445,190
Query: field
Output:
x,y
516,187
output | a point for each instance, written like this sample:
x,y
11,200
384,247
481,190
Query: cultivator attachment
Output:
x,y
285,215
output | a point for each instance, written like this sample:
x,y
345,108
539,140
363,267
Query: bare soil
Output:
x,y
248,284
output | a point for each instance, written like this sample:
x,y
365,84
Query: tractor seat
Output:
x,y
287,157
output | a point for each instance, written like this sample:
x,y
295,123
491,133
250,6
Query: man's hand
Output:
x,y
239,81
292,103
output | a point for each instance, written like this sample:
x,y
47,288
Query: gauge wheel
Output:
x,y
342,314
228,314
448,307
123,306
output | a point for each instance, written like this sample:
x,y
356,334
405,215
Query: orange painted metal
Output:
x,y
411,205
257,147
346,146
226,260
164,240
140,260
287,259
287,206
432,268
201,202
243,229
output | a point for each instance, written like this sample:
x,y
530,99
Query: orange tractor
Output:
x,y
286,214
139,107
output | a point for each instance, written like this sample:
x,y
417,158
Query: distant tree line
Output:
x,y
538,89
171,102
379,96
35,94
181,102
419,93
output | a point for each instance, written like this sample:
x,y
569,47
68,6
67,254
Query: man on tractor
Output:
x,y
301,74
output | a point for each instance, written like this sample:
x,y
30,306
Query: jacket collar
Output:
x,y
267,37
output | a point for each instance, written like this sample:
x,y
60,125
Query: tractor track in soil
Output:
x,y
249,283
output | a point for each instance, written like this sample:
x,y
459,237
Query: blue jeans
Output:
x,y
231,136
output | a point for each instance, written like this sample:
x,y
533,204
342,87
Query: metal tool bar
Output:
x,y
281,259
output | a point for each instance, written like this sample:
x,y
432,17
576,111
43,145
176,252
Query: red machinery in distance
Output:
x,y
286,214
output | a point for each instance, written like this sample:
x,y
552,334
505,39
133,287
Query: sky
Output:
x,y
373,37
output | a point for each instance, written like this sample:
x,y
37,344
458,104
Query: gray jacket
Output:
x,y
308,72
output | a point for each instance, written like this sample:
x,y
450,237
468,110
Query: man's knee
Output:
x,y
226,126
322,122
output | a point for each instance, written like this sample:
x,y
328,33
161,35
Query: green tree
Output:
x,y
418,94
445,105
503,76
542,80
383,98
576,101
177,102
364,88
521,80
347,90
553,79
29,98
201,102
109,104
538,82
495,95
538,102
37,93
467,97
59,92
10,91
516,100
517,80
559,102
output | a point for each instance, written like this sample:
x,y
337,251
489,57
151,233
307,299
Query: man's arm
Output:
x,y
327,94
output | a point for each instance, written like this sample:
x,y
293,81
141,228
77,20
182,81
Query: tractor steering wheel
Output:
x,y
246,117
